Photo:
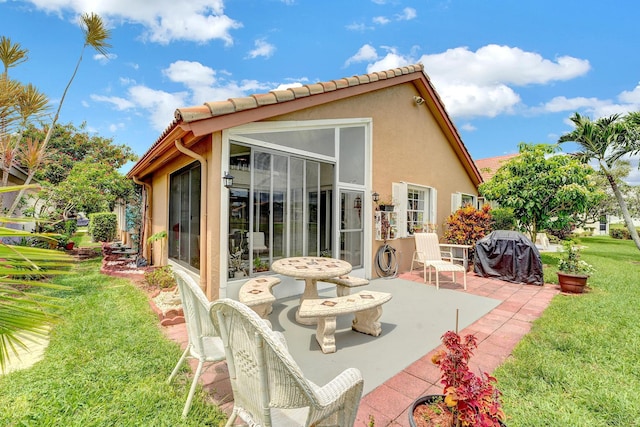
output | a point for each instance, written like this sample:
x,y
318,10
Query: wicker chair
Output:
x,y
269,389
429,253
205,343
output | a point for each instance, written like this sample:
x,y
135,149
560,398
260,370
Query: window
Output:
x,y
459,200
416,206
184,216
415,209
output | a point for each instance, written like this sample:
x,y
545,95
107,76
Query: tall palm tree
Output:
x,y
96,35
606,140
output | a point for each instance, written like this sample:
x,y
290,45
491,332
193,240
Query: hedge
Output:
x,y
103,226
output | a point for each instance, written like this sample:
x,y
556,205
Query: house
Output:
x,y
240,183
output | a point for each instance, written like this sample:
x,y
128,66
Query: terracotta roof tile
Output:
x,y
245,103
490,165
220,108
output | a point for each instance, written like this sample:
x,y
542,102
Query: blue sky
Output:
x,y
507,71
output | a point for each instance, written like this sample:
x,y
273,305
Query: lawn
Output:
x,y
106,365
579,364
108,361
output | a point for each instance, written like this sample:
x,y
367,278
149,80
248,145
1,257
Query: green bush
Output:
x,y
161,277
503,219
102,226
620,233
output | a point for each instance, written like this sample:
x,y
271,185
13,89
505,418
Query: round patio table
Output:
x,y
310,269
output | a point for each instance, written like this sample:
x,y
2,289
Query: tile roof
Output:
x,y
489,166
189,118
234,105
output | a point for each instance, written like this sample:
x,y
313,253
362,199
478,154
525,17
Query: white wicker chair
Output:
x,y
429,253
205,343
269,388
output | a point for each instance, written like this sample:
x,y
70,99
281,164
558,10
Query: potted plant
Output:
x,y
573,272
468,399
236,263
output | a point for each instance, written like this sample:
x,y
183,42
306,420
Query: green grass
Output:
x,y
106,365
579,364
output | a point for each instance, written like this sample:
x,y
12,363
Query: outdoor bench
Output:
x,y
256,294
345,283
367,306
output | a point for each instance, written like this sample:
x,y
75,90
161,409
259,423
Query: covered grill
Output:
x,y
510,256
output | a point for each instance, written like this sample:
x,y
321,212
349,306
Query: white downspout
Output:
x,y
203,215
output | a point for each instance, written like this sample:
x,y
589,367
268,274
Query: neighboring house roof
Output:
x,y
489,166
191,123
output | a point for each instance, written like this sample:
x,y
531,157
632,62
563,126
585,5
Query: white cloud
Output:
x,y
262,49
380,20
561,103
631,97
119,103
358,27
468,127
159,104
164,20
408,13
484,82
114,127
364,54
104,59
191,74
503,64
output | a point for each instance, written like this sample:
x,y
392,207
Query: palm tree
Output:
x,y
21,268
606,140
96,35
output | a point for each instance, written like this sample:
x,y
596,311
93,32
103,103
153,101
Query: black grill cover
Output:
x,y
510,256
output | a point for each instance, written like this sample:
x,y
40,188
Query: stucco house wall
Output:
x,y
411,141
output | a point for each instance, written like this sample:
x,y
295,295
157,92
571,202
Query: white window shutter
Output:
x,y
433,214
456,202
399,194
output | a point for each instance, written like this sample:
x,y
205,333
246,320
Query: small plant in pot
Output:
x,y
573,272
468,399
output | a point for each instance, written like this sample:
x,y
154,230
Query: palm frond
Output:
x,y
95,33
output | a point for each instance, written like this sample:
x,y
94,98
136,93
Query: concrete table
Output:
x,y
310,269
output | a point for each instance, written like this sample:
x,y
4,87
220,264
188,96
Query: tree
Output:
x,y
542,187
69,145
607,140
96,35
90,187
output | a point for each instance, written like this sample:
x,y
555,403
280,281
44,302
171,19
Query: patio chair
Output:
x,y
205,343
269,389
429,253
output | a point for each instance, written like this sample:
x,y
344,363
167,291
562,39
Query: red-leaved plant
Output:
x,y
474,400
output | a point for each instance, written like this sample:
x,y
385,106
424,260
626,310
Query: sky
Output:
x,y
507,71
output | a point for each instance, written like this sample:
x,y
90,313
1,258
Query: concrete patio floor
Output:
x,y
506,313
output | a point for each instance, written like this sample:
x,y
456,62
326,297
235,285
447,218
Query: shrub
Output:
x,y
467,225
620,233
161,277
503,219
102,226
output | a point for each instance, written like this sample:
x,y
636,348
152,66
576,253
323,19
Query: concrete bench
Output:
x,y
345,283
256,293
367,306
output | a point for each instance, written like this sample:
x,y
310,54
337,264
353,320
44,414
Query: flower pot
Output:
x,y
387,208
69,246
572,283
442,416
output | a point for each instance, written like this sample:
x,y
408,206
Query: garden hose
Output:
x,y
386,261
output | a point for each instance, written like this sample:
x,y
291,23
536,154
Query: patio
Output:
x,y
499,313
